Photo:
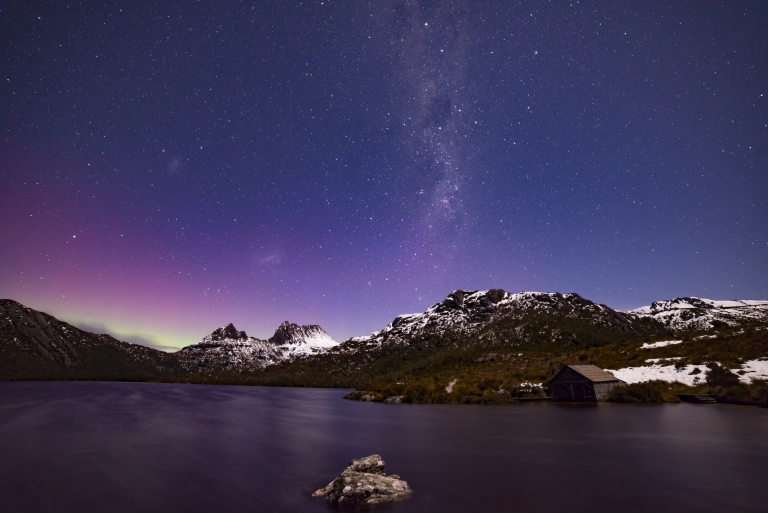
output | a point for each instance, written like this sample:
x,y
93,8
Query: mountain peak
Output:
x,y
228,332
289,333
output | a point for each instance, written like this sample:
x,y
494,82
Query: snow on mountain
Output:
x,y
295,340
469,311
685,313
230,349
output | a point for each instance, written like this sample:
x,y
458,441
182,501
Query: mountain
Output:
x,y
227,349
522,320
296,340
692,313
35,345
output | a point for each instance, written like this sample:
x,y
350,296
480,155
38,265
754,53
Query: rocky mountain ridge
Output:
x,y
495,313
227,349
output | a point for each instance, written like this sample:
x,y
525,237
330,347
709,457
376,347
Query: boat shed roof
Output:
x,y
593,373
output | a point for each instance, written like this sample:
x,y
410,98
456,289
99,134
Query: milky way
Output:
x,y
432,43
165,171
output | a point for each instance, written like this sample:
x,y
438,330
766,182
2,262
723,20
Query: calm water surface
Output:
x,y
124,447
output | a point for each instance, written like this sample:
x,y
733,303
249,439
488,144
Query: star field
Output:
x,y
167,169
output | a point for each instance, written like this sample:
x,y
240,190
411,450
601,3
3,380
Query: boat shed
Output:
x,y
582,383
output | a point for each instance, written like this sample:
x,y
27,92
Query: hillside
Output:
x,y
35,345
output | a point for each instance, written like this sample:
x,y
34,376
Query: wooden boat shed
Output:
x,y
582,383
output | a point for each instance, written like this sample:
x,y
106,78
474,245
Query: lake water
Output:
x,y
142,447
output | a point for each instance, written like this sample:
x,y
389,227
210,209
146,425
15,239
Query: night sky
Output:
x,y
167,168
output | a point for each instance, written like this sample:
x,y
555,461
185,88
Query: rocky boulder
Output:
x,y
364,482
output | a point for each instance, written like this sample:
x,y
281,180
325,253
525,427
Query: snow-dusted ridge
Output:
x,y
469,311
229,349
687,313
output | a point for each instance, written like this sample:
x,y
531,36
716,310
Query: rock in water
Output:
x,y
369,465
364,482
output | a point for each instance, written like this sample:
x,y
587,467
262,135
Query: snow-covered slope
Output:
x,y
690,375
685,313
230,349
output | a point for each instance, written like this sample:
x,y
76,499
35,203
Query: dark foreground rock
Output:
x,y
364,482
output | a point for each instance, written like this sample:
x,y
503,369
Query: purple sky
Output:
x,y
167,169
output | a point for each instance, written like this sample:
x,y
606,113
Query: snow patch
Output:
x,y
666,373
756,369
663,343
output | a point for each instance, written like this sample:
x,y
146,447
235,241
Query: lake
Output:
x,y
145,447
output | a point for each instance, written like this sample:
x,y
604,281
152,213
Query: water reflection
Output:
x,y
151,447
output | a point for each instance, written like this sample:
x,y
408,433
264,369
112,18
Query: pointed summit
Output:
x,y
228,332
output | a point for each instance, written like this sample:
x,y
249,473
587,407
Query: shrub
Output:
x,y
760,396
635,393
721,377
755,394
738,394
